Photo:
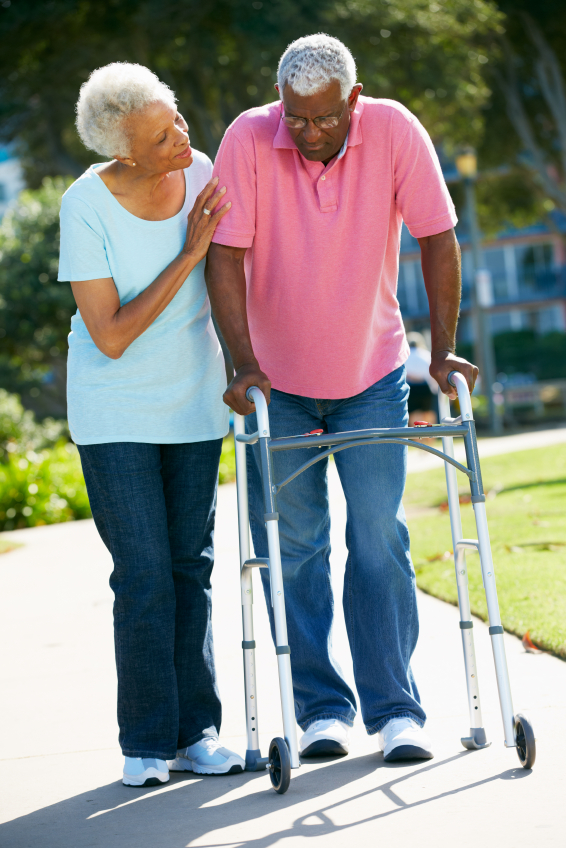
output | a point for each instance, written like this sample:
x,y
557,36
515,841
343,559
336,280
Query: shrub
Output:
x,y
35,310
43,487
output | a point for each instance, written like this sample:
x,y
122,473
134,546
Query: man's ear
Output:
x,y
276,87
353,97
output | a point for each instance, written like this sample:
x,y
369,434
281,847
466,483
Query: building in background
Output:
x,y
528,270
11,179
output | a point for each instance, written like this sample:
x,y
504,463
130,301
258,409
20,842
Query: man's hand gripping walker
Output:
x,y
283,752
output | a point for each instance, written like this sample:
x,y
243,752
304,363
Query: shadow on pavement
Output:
x,y
189,807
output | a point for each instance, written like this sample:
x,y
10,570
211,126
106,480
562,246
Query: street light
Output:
x,y
482,292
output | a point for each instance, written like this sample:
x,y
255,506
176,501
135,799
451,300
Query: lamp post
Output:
x,y
482,292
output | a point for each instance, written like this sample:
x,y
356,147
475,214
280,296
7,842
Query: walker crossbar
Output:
x,y
283,753
379,441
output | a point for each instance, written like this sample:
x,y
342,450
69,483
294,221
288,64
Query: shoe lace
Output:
x,y
211,743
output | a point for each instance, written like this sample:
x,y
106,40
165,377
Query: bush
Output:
x,y
41,481
35,310
42,488
20,432
524,352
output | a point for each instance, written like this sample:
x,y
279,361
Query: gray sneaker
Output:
x,y
207,757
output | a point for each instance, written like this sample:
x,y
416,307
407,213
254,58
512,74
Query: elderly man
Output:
x,y
302,278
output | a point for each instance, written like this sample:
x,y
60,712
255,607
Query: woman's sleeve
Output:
x,y
82,254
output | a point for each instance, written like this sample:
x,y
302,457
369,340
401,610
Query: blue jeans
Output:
x,y
379,587
154,507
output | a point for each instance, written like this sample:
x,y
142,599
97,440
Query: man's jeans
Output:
x,y
154,507
379,586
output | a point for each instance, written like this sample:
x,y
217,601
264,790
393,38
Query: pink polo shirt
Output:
x,y
323,257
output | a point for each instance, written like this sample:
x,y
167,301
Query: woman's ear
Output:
x,y
125,160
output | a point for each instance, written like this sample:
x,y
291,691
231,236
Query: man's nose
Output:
x,y
311,133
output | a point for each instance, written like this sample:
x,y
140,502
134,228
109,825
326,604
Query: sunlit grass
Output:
x,y
527,520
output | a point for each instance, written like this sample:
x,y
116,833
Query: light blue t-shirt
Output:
x,y
167,386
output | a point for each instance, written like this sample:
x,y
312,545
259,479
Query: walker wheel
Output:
x,y
525,741
279,765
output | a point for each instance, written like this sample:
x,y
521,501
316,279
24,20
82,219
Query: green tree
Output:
x,y
221,57
525,118
35,310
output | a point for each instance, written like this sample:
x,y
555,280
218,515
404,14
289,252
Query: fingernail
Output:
x,y
223,188
229,203
215,180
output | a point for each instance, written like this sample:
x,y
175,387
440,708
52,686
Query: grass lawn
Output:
x,y
526,510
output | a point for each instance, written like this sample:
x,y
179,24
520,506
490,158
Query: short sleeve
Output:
x,y
421,194
235,168
82,254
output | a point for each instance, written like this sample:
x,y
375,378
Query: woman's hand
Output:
x,y
201,224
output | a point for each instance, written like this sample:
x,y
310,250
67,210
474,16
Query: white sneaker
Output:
x,y
207,757
325,737
403,739
144,772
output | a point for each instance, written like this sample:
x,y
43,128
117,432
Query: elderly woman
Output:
x,y
145,382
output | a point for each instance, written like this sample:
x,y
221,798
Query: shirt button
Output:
x,y
323,178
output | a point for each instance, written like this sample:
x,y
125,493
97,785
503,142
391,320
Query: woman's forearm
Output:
x,y
112,327
133,319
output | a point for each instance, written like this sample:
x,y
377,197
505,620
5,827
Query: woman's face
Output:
x,y
160,139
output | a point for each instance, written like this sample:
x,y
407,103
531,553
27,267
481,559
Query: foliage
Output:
x,y
221,58
20,432
40,473
524,352
227,469
35,310
526,512
525,119
42,488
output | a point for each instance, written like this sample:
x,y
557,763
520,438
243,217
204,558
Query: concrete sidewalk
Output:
x,y
60,765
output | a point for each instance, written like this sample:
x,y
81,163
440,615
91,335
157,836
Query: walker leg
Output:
x,y
282,648
254,760
495,628
477,737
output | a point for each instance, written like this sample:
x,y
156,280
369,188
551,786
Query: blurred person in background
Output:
x,y
422,404
302,278
145,382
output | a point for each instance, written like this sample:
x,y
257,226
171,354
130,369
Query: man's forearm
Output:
x,y
226,283
440,259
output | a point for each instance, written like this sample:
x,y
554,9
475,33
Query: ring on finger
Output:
x,y
206,211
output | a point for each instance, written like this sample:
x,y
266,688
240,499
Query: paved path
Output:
x,y
60,765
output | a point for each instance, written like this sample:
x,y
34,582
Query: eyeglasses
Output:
x,y
322,123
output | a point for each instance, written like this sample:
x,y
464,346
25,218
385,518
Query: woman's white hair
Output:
x,y
111,94
309,64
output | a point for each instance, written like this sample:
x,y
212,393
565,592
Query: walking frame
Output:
x,y
283,752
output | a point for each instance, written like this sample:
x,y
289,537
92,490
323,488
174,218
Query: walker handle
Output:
x,y
256,396
456,379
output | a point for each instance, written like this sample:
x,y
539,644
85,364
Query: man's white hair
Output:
x,y
309,64
111,94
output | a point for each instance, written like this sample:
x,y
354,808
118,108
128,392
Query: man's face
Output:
x,y
315,143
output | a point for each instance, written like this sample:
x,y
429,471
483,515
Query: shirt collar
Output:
x,y
282,138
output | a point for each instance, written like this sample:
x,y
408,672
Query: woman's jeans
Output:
x,y
379,586
154,507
